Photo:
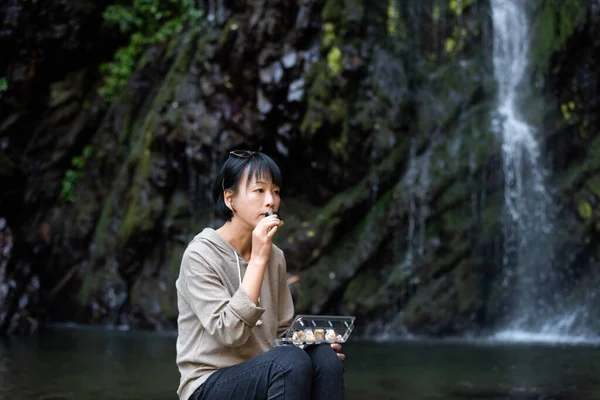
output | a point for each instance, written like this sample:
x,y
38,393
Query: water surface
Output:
x,y
85,364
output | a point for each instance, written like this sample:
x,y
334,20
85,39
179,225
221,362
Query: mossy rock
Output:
x,y
593,184
466,287
585,210
7,167
431,310
332,11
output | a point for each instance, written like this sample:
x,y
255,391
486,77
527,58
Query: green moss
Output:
x,y
585,210
311,123
361,287
334,61
328,34
327,218
332,11
140,214
594,184
148,22
458,190
3,85
354,12
331,213
554,24
466,287
6,165
576,174
337,111
567,109
320,88
437,13
89,285
459,6
340,144
341,264
74,174
230,27
319,95
126,130
393,19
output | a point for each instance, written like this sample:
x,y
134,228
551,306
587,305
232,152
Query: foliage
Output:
x,y
554,23
334,60
585,210
148,22
74,174
3,85
458,6
393,19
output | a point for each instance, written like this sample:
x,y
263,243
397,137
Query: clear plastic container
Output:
x,y
314,329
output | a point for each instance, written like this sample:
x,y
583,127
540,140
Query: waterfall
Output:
x,y
528,215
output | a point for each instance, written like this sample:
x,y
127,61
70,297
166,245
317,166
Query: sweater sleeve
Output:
x,y
286,304
229,319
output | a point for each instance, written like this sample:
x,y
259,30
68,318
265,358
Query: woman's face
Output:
x,y
254,198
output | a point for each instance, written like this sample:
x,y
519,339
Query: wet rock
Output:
x,y
289,59
296,90
263,104
271,74
303,17
266,55
281,148
156,156
6,245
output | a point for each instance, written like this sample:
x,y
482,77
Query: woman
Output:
x,y
233,296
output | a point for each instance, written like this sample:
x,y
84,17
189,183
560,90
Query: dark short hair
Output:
x,y
258,165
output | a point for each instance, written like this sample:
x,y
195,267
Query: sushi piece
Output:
x,y
330,334
269,213
319,334
298,335
309,335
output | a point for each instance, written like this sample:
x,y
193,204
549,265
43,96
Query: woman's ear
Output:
x,y
228,198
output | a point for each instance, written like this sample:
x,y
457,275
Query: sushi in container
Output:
x,y
315,329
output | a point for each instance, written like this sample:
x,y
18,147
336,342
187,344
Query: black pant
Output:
x,y
283,373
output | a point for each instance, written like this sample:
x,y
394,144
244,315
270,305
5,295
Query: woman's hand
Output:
x,y
338,347
262,237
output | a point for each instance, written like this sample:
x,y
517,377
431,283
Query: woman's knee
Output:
x,y
293,360
325,360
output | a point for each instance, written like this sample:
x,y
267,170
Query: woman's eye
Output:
x,y
276,192
260,190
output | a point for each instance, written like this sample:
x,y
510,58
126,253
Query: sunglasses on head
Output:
x,y
242,153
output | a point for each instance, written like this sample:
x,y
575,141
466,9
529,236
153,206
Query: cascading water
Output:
x,y
533,311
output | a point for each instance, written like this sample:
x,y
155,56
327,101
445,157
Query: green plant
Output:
x,y
147,22
3,85
553,24
74,174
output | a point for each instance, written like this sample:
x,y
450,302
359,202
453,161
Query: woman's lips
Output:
x,y
269,213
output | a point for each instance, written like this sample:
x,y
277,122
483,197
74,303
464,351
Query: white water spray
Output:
x,y
528,251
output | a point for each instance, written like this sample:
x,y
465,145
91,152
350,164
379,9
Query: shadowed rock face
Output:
x,y
392,182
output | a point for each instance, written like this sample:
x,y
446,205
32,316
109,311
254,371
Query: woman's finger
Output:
x,y
269,222
341,356
271,233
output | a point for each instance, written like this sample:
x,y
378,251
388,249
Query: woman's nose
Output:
x,y
269,199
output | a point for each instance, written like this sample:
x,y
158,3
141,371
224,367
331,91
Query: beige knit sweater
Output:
x,y
217,320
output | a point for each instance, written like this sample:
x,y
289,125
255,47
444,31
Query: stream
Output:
x,y
83,363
